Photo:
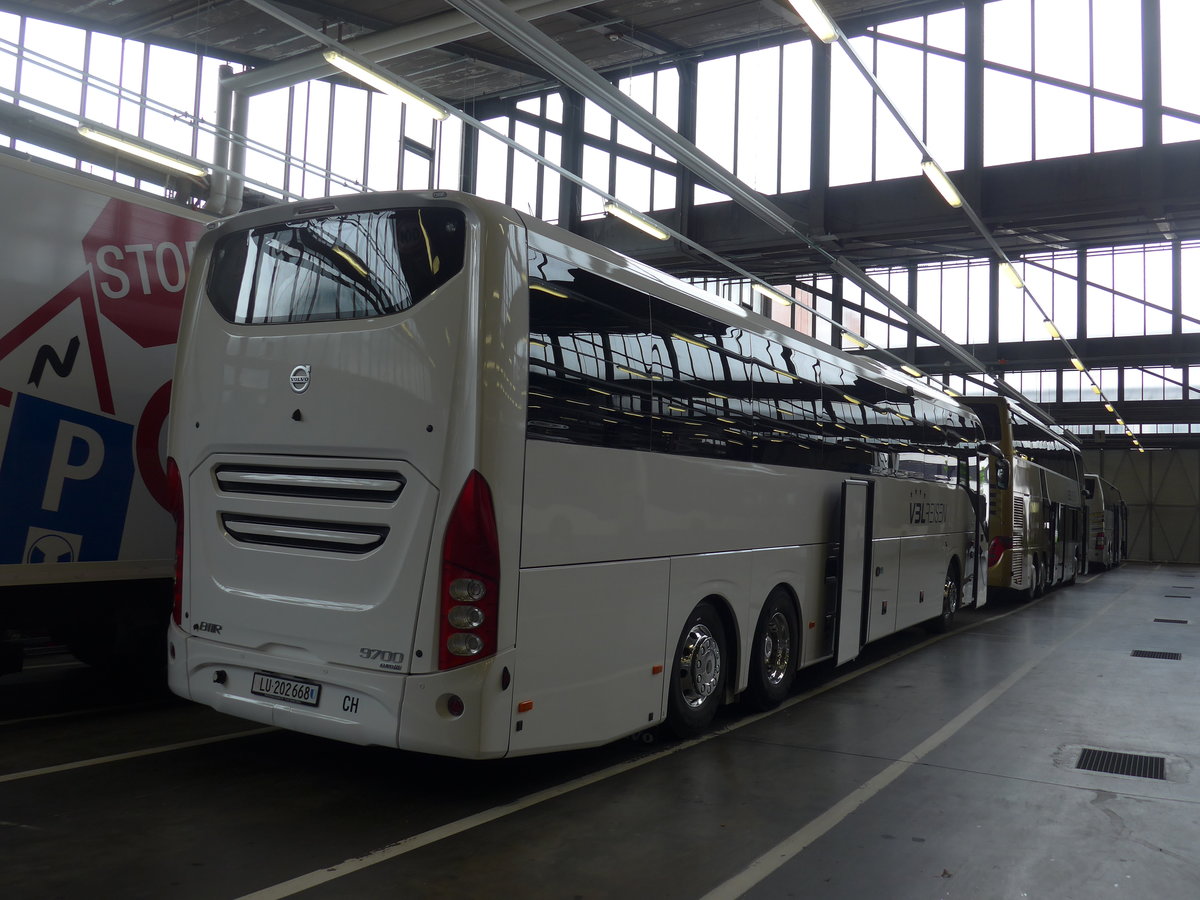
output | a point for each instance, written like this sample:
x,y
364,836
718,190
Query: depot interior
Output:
x,y
1067,272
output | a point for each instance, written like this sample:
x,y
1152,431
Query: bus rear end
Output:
x,y
337,547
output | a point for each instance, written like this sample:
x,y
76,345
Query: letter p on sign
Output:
x,y
78,455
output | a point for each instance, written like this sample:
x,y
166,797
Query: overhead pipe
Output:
x,y
237,154
219,180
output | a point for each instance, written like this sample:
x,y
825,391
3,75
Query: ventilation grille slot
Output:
x,y
1156,654
1018,530
335,537
1112,763
1018,518
324,484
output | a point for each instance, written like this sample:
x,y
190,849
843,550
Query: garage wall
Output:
x,y
1162,490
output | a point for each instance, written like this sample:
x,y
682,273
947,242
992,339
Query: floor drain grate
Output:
x,y
1112,763
1156,654
1172,621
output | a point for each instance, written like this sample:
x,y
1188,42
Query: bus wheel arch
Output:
x,y
1037,585
774,650
700,669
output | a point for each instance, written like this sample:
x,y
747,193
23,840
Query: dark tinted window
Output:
x,y
341,267
612,366
1032,440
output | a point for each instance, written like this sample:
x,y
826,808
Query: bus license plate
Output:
x,y
266,685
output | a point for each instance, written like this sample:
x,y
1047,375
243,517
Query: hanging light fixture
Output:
x,y
771,294
636,220
381,83
1015,279
942,182
815,18
140,150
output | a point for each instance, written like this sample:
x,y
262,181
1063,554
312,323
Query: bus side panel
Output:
x,y
589,639
885,579
924,562
592,504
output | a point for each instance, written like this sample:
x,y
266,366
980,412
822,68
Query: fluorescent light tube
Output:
x,y
942,182
771,293
1014,278
135,148
637,221
815,18
381,83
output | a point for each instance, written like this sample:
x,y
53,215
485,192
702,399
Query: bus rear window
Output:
x,y
355,266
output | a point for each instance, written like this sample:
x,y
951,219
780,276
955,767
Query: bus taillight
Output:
x,y
470,578
998,547
175,499
1100,540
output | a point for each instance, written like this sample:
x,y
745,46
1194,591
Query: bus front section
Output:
x,y
338,558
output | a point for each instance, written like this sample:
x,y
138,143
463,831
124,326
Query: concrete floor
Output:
x,y
942,768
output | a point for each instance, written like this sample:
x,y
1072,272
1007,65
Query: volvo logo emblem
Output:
x,y
300,378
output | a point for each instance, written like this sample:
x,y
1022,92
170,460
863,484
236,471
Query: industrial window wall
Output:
x,y
1058,78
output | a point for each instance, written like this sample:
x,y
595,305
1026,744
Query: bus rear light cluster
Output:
x,y
1100,541
175,502
997,548
470,578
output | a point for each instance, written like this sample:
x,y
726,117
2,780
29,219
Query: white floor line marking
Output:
x,y
132,754
789,848
95,710
450,829
75,664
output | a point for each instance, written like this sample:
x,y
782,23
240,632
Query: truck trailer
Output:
x,y
90,298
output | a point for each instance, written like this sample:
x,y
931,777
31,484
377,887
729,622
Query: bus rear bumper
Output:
x,y
464,712
351,705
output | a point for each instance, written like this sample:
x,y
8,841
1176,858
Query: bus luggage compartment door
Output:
x,y
854,566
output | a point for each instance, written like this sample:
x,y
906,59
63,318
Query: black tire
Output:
x,y
773,654
951,601
698,673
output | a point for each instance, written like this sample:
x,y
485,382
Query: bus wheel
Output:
x,y
698,679
951,601
773,654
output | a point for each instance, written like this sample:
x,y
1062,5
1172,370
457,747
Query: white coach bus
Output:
x,y
1107,523
454,480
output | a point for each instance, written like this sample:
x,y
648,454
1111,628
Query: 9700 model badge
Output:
x,y
300,378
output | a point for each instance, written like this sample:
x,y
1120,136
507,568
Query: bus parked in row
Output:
x,y
1107,523
454,480
1037,526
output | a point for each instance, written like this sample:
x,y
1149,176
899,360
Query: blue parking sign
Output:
x,y
64,484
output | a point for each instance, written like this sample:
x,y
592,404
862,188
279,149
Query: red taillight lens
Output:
x,y
997,548
175,501
1100,540
470,578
